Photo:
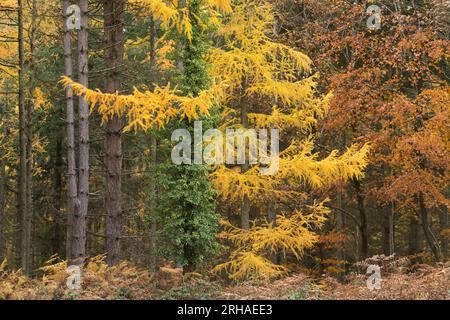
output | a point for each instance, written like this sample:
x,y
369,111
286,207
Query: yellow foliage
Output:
x,y
147,109
276,85
291,234
98,281
173,14
248,265
40,100
268,68
161,55
234,185
298,166
3,265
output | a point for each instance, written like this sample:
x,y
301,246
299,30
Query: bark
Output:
x,y
73,201
29,133
78,238
22,176
154,158
415,239
272,217
340,223
3,181
364,244
57,198
429,236
152,207
152,41
387,228
245,212
443,221
245,207
113,25
392,229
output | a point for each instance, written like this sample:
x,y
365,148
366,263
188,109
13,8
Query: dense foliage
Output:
x,y
362,164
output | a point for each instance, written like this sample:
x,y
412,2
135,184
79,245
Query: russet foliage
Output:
x,y
390,90
277,85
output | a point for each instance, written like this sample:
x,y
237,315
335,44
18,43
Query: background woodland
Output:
x,y
86,118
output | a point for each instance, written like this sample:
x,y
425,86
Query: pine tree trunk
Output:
x,y
245,207
113,23
272,218
73,201
152,207
387,228
3,181
429,236
415,239
30,113
443,221
57,239
78,238
392,229
364,245
340,224
153,261
24,212
152,41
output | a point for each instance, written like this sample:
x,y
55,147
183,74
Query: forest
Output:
x,y
224,149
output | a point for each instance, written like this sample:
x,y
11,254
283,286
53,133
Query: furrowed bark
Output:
x,y
152,207
429,236
443,221
73,201
392,229
340,224
415,239
364,246
78,241
387,234
154,158
114,36
245,207
29,134
57,236
3,181
22,182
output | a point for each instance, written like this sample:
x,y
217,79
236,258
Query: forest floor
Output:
x,y
425,283
124,281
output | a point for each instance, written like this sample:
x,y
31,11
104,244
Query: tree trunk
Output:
x,y
392,229
429,236
152,207
245,207
73,203
152,41
364,244
30,113
3,181
57,198
153,261
272,217
443,221
245,213
387,228
78,238
113,25
23,175
415,239
340,224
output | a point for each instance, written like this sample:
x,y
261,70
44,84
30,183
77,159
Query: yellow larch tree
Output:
x,y
147,109
269,85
